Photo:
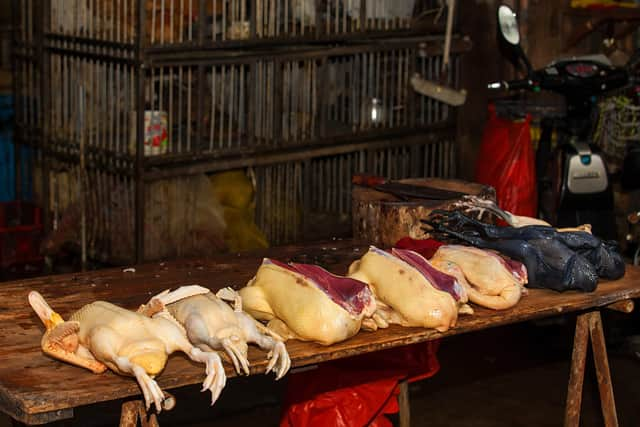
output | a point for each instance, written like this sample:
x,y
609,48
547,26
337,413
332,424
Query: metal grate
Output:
x,y
259,103
279,202
305,92
93,109
94,202
108,20
371,91
291,194
220,22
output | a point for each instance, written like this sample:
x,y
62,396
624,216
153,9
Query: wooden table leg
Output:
x,y
404,404
590,325
624,306
599,347
576,376
133,411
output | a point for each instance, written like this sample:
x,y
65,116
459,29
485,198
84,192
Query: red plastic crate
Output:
x,y
20,234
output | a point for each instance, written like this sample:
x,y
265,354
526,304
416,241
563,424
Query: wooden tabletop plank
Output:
x,y
36,389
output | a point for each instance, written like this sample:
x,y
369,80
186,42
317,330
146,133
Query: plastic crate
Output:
x,y
20,234
8,157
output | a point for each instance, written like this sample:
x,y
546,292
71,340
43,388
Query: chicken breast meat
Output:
x,y
306,302
409,291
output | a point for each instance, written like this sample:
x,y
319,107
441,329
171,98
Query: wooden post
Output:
x,y
576,375
404,404
132,411
624,306
603,375
589,325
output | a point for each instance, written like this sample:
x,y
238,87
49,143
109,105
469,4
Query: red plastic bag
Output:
x,y
507,162
357,391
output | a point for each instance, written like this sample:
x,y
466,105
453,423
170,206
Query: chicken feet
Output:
x,y
102,335
475,204
211,324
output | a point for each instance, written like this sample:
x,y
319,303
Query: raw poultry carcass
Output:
x,y
415,292
306,302
211,324
603,255
102,335
555,260
487,277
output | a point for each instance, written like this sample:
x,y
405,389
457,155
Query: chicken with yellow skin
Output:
x,y
102,335
487,277
308,303
409,291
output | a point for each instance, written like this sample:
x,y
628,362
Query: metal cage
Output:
x,y
304,92
223,23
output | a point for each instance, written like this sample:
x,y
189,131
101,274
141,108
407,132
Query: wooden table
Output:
x,y
35,389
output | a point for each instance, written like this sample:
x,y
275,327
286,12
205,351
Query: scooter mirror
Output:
x,y
508,25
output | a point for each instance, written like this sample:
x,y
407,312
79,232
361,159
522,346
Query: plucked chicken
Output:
x,y
211,324
102,335
487,277
306,302
415,293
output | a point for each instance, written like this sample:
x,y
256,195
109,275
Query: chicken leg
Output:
x,y
102,335
211,324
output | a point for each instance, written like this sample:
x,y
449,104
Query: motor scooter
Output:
x,y
574,185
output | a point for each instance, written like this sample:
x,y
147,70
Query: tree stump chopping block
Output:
x,y
382,219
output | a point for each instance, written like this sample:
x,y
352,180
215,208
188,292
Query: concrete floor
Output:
x,y
509,376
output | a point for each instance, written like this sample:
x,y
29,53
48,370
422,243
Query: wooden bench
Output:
x,y
35,389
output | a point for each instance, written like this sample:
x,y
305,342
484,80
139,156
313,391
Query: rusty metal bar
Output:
x,y
140,108
209,55
252,96
412,135
363,16
16,44
231,99
201,22
45,107
213,162
89,41
81,177
599,347
252,19
69,52
201,75
280,88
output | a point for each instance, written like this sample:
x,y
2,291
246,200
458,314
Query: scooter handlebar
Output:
x,y
511,84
